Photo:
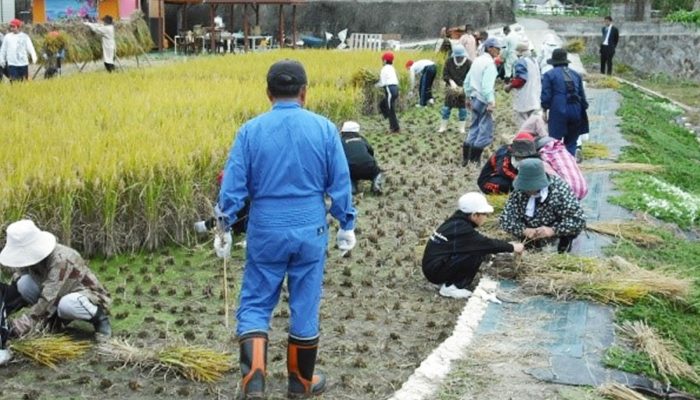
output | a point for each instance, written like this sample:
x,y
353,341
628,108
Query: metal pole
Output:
x,y
281,27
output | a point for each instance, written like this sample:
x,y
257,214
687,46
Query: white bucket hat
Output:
x,y
473,202
26,245
350,126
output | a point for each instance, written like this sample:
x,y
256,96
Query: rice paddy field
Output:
x,y
120,166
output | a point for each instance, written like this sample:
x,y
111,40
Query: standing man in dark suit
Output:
x,y
607,47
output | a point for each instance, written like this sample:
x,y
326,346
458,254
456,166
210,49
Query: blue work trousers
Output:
x,y
481,130
299,253
446,111
426,84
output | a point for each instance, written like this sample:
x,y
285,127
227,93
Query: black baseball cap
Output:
x,y
286,77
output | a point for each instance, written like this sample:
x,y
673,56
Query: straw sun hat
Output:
x,y
26,245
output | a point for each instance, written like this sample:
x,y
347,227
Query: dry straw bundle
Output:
x,y
192,362
662,352
616,391
49,349
621,167
594,150
628,230
611,280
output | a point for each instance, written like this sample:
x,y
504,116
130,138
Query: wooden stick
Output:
x,y
225,294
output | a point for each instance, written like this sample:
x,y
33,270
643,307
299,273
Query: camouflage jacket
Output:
x,y
64,271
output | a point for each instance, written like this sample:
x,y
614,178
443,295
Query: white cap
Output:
x,y
350,126
474,202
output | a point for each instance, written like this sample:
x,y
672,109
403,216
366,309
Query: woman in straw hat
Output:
x,y
542,208
51,278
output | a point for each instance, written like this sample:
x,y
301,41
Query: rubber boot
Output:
x,y
443,126
462,127
475,155
301,360
101,323
466,154
253,360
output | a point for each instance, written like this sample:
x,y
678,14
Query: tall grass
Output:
x,y
127,161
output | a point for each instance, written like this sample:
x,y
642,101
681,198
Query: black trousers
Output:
x,y
458,270
364,171
606,59
388,106
426,84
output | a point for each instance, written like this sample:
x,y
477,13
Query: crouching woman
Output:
x,y
53,280
456,249
542,209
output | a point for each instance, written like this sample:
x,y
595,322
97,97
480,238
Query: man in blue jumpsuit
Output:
x,y
286,161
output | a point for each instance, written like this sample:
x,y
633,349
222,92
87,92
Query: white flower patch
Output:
x,y
669,107
666,200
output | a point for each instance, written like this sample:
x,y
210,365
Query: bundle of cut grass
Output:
x,y
595,150
497,201
575,45
611,280
621,167
192,362
364,77
628,230
616,391
662,352
49,349
609,83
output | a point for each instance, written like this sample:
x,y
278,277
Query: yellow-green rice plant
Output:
x,y
136,153
49,349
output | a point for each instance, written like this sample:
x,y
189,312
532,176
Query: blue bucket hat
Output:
x,y
458,51
531,176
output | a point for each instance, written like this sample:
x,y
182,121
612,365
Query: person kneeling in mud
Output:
x,y
360,155
51,278
456,249
542,209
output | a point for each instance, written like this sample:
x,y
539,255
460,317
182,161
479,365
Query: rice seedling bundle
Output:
x,y
49,349
575,45
595,150
610,280
192,362
661,351
128,161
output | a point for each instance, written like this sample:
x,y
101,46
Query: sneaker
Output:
x,y
454,292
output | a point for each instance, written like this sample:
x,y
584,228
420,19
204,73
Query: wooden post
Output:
x,y
161,27
231,19
246,27
281,27
256,7
294,26
212,44
184,23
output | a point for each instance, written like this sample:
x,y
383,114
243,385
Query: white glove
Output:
x,y
222,244
345,239
5,356
453,84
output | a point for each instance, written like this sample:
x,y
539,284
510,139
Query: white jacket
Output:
x,y
527,98
16,47
109,45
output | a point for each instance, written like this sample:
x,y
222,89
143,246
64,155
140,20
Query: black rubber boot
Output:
x,y
301,360
101,323
466,154
253,360
475,155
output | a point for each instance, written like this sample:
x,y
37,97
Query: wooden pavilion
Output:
x,y
254,4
